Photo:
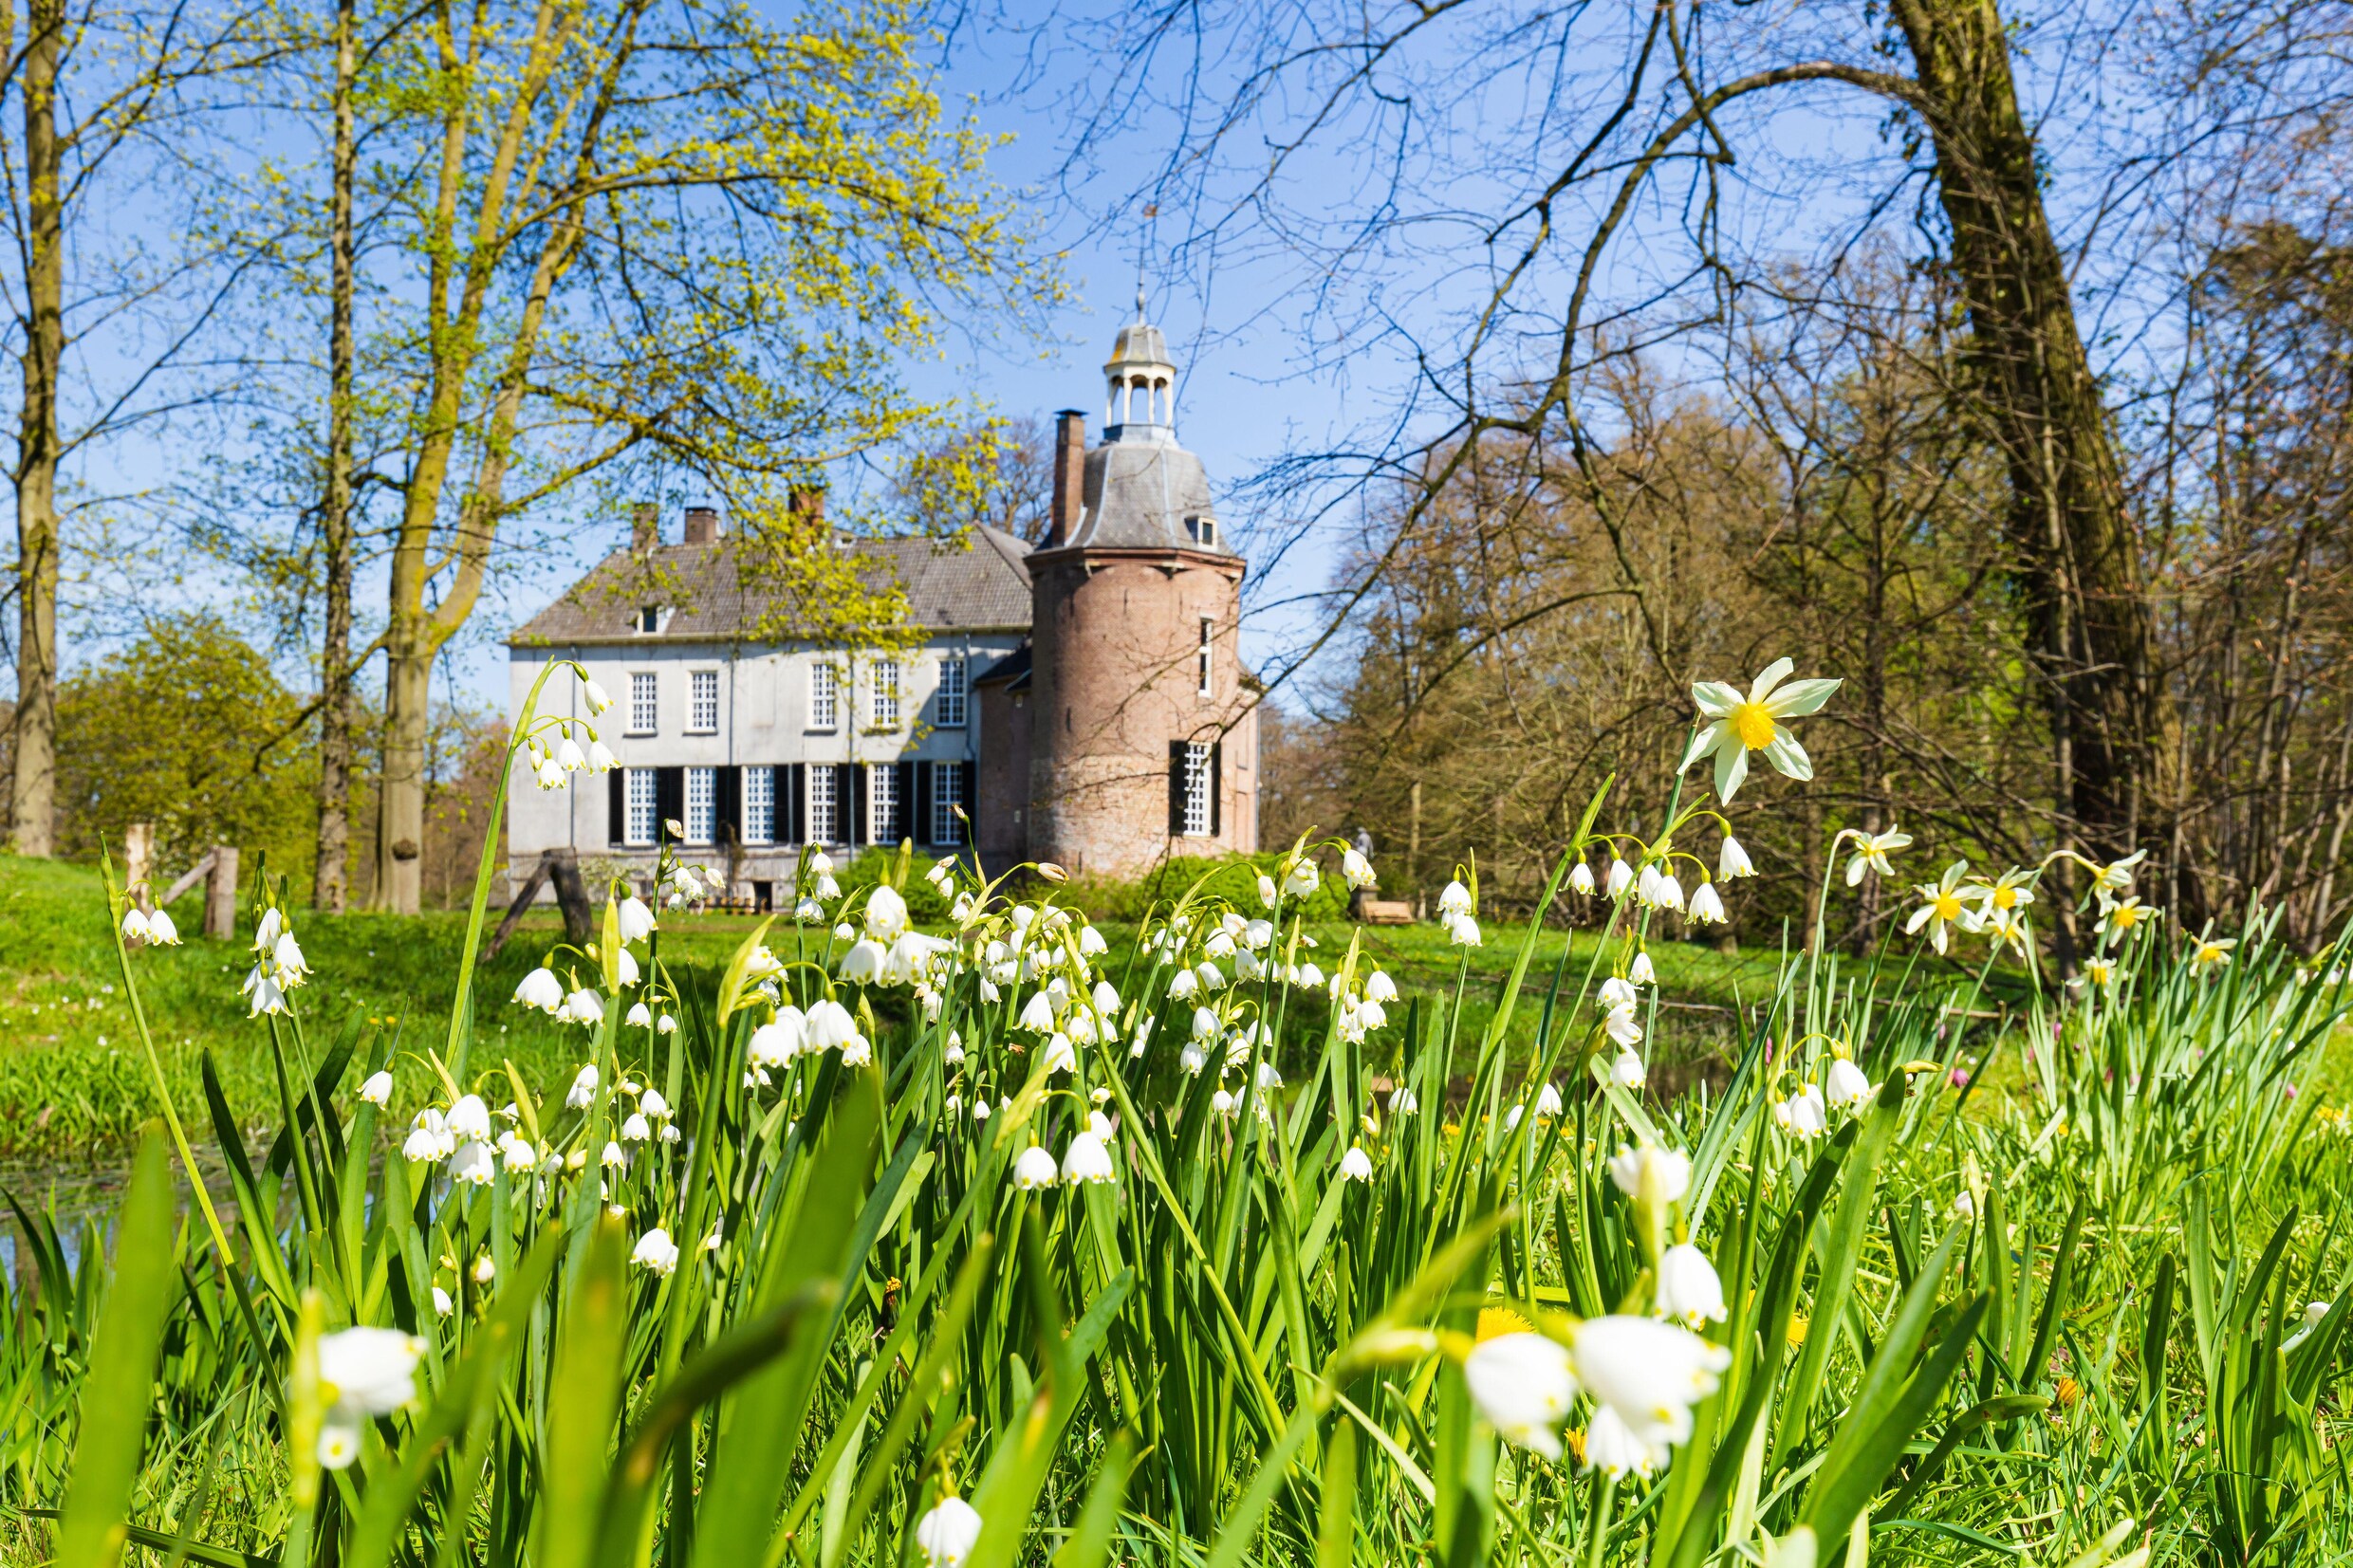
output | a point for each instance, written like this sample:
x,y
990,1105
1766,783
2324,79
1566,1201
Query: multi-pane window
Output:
x,y
644,713
952,693
639,806
1199,782
885,714
759,806
947,794
824,696
883,802
649,619
702,804
824,814
702,709
1209,630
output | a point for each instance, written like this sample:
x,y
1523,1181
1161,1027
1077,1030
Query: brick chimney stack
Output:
x,y
644,526
1070,477
702,524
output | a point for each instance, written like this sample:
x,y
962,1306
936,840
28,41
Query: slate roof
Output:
x,y
1138,496
1013,669
980,585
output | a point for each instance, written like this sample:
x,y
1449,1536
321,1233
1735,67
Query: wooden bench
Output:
x,y
1384,912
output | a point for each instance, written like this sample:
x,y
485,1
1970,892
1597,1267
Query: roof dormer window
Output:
x,y
649,620
1202,531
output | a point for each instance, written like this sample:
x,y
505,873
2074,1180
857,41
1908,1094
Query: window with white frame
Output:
x,y
759,813
702,707
823,805
1209,632
884,712
947,794
640,806
644,710
702,804
824,696
883,806
1199,782
950,706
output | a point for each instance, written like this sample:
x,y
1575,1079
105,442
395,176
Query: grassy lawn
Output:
x,y
74,1084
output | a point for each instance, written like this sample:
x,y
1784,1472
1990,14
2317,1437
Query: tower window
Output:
x,y
950,707
702,710
645,711
1209,630
1199,779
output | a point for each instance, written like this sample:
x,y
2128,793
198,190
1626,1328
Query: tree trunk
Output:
x,y
32,786
330,883
2078,565
400,815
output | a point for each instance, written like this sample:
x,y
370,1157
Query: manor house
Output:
x,y
1079,700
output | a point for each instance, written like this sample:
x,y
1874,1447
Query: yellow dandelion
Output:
x,y
1797,1329
1496,1321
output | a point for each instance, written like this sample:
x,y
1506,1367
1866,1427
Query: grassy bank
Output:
x,y
74,1085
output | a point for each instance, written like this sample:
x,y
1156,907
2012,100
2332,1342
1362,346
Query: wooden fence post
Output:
x,y
138,861
220,893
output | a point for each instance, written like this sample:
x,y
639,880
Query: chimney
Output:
x,y
808,504
702,524
1069,476
644,526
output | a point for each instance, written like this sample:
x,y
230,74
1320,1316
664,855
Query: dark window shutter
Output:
x,y
969,830
850,798
669,799
617,805
791,805
727,825
1175,788
1217,787
911,793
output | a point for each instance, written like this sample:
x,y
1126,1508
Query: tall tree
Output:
x,y
330,877
657,230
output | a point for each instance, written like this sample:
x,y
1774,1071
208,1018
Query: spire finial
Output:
x,y
1143,252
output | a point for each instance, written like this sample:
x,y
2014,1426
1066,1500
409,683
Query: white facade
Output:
x,y
734,743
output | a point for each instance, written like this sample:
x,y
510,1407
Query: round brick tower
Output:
x,y
1144,737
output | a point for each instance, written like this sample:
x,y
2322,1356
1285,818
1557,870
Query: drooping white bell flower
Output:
x,y
946,1534
829,1025
1802,1114
1403,1102
1301,878
548,774
1091,943
1549,1101
1627,1072
266,930
1621,878
614,1156
1662,1172
1463,931
1454,899
264,992
1087,1160
655,1251
429,1137
1650,1373
1646,886
775,1044
442,1305
636,1128
1689,1291
1580,878
1356,1165
863,962
1641,972
886,914
1669,892
1738,725
640,1015
1037,1014
517,1153
569,757
378,1089
134,926
1848,1090
468,1118
542,989
1618,992
1623,1026
1380,987
1524,1385
625,969
583,1007
1058,1055
475,1163
584,1089
1707,905
1356,870
1617,1449
594,696
1035,1169
1731,860
363,1373
600,758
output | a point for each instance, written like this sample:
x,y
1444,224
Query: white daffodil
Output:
x,y
1524,1385
1847,1088
2117,875
2211,953
1035,1170
2013,889
2097,971
1689,1292
2008,928
655,1251
1087,1160
946,1533
2124,916
1872,855
1356,1165
1942,906
1738,725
